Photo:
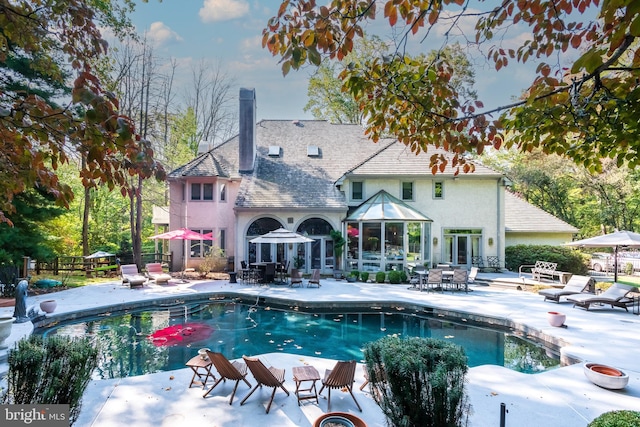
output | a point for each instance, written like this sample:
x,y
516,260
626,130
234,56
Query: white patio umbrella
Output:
x,y
281,235
99,254
617,240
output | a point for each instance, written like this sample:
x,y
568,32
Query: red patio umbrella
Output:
x,y
183,234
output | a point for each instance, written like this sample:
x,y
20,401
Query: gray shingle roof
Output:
x,y
522,216
296,180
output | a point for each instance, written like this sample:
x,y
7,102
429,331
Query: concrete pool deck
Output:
x,y
560,396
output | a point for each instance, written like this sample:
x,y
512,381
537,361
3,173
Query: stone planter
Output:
x,y
605,376
556,318
48,306
5,329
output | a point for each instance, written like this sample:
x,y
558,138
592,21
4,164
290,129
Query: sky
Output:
x,y
229,33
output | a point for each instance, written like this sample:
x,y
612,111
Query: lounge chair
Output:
x,y
340,377
234,371
155,272
615,296
270,377
576,285
315,278
130,275
296,278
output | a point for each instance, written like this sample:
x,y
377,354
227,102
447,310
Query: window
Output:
x,y
438,190
357,190
201,248
223,192
201,191
195,192
407,191
222,240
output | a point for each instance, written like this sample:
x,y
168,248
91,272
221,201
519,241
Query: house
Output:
x,y
313,177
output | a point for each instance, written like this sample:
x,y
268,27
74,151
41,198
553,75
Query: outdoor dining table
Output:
x,y
447,275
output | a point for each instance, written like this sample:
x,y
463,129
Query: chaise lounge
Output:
x,y
155,272
616,296
130,275
576,285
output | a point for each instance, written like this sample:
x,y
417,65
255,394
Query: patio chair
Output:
x,y
434,279
155,272
615,296
576,285
130,275
414,277
471,278
269,273
296,278
340,377
234,371
315,278
270,377
459,280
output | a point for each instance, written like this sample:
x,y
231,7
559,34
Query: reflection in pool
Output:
x,y
127,348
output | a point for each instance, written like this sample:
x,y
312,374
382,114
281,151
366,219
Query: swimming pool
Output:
x,y
149,340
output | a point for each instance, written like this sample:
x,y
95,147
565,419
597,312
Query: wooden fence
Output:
x,y
73,264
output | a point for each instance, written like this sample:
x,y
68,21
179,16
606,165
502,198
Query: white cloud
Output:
x,y
161,34
223,10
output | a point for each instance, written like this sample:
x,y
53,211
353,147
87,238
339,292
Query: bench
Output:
x,y
546,270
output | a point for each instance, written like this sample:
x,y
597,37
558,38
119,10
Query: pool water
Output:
x,y
154,340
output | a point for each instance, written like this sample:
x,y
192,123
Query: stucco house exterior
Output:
x,y
313,177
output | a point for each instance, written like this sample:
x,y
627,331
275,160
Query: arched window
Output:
x,y
263,226
315,227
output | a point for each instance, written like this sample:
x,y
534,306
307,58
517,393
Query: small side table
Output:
x,y
302,374
201,367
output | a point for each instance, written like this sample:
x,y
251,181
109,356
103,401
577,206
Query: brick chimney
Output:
x,y
247,134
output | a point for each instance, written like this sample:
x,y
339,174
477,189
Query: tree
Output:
x,y
587,111
37,136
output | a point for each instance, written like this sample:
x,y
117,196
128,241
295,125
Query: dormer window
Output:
x,y
313,151
274,151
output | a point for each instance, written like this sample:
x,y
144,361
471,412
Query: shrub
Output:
x,y
403,277
52,371
568,259
418,382
628,269
617,419
355,273
380,276
364,276
394,277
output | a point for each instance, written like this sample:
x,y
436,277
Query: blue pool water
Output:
x,y
127,347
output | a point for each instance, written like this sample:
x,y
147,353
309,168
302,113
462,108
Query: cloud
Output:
x,y
223,10
161,34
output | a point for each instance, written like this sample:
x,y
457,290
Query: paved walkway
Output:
x,y
561,396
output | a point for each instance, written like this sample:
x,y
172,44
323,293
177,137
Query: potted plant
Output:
x,y
338,249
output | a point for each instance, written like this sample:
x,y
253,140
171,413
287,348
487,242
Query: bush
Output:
x,y
52,371
364,276
380,276
617,419
403,277
568,259
394,277
355,273
418,382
